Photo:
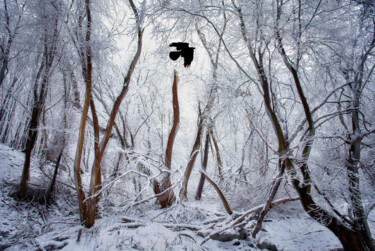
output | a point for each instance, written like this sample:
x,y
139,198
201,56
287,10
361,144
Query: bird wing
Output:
x,y
179,45
174,55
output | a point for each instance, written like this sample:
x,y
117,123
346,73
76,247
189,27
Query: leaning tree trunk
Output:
x,y
193,157
53,181
347,236
198,194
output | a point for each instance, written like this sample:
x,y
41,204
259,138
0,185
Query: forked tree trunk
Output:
x,y
167,197
95,183
202,118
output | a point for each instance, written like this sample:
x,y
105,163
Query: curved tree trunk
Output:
x,y
167,197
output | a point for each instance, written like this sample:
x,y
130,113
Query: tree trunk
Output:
x,y
53,182
198,194
217,153
350,239
95,182
221,195
268,205
38,105
167,198
193,156
87,74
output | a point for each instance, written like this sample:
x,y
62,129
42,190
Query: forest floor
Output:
x,y
31,226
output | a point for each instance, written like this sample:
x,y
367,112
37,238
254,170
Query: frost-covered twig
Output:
x,y
331,206
113,181
153,196
239,218
256,130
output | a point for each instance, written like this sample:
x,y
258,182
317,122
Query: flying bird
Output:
x,y
184,51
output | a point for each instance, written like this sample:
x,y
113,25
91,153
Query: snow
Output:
x,y
25,226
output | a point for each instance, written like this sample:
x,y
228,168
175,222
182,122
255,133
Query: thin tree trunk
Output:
x,y
166,199
202,118
357,211
31,138
217,189
217,153
95,182
268,205
87,74
11,36
176,122
53,182
198,194
353,161
193,157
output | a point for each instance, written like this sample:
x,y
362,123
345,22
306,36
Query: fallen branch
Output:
x,y
132,223
221,195
239,218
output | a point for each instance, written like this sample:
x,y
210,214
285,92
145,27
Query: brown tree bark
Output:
x,y
167,197
88,211
87,74
217,189
95,182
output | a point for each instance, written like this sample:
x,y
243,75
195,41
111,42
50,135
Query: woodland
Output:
x,y
102,133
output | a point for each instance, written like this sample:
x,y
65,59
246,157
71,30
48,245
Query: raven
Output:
x,y
184,51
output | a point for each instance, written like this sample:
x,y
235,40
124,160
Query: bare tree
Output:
x,y
50,37
164,190
88,215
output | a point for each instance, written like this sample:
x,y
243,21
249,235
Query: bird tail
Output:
x,y
187,64
174,55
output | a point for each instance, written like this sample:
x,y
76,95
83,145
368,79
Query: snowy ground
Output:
x,y
25,226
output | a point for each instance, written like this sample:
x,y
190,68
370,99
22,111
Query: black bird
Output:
x,y
184,51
